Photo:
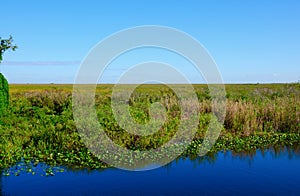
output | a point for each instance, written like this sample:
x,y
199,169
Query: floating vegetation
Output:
x,y
32,167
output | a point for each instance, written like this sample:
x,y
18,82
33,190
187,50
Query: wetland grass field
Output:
x,y
38,125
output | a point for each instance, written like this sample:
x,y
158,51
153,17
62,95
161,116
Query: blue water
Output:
x,y
263,173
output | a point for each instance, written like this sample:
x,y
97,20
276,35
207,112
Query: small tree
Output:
x,y
5,44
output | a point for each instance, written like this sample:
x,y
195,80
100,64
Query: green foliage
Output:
x,y
4,93
6,44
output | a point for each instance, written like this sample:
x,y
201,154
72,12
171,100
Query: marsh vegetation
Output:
x,y
38,126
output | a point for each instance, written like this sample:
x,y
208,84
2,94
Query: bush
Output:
x,y
4,92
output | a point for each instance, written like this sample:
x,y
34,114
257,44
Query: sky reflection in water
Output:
x,y
267,172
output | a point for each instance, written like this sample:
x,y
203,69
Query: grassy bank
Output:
x,y
39,125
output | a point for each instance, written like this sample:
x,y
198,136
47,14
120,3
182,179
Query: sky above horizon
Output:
x,y
250,41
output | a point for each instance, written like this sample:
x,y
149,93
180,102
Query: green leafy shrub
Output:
x,y
4,92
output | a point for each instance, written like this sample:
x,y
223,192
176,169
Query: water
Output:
x,y
263,173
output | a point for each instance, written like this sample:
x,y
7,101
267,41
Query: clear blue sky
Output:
x,y
251,41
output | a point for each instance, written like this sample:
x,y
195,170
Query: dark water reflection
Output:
x,y
273,171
